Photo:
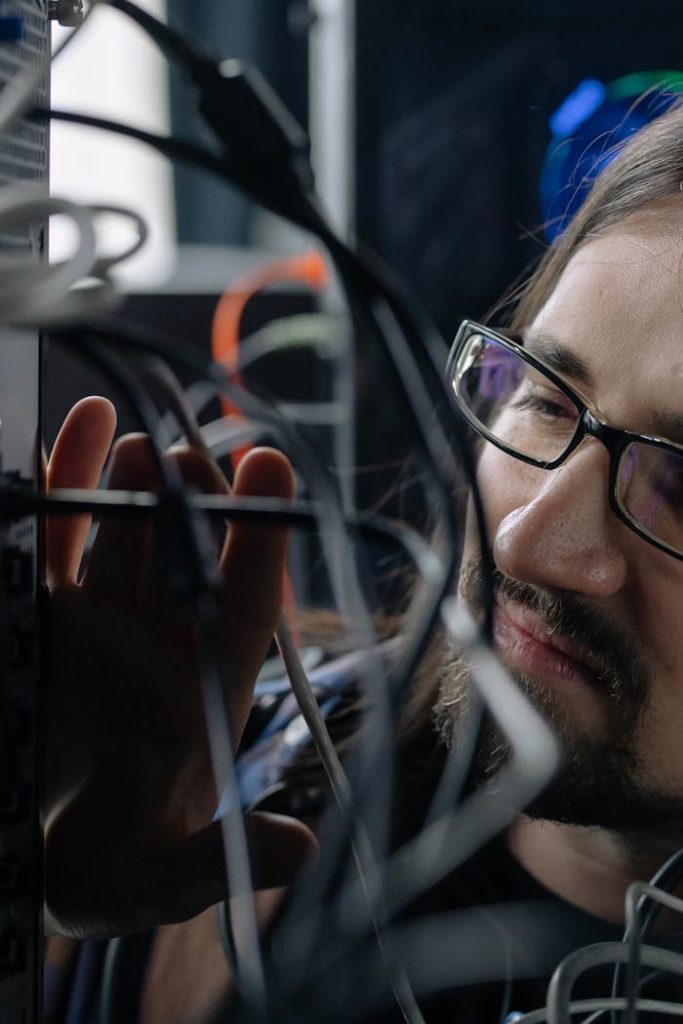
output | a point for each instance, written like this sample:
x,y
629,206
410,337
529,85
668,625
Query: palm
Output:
x,y
129,793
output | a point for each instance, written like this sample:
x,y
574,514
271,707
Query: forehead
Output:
x,y
618,307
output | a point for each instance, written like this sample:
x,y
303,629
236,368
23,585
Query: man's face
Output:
x,y
589,616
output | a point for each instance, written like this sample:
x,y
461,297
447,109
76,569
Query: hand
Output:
x,y
129,793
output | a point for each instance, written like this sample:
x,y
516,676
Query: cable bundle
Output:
x,y
362,884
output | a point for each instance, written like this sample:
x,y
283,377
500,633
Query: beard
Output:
x,y
601,780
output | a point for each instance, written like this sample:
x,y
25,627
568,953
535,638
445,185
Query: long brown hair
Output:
x,y
648,167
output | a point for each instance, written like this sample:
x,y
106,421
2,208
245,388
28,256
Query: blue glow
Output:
x,y
577,107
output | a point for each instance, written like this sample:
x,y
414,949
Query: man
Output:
x,y
589,618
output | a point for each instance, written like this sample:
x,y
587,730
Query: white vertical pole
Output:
x,y
332,121
332,88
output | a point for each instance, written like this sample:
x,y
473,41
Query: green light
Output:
x,y
638,82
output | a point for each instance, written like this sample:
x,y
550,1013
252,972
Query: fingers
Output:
x,y
119,564
192,876
281,849
77,460
199,473
253,566
120,545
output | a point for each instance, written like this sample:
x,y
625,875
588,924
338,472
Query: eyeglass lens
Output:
x,y
649,490
519,406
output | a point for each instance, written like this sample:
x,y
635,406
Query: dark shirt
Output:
x,y
479,946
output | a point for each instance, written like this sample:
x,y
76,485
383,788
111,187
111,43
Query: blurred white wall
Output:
x,y
113,70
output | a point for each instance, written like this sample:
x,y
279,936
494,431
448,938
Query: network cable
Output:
x,y
378,312
182,415
276,190
416,654
301,687
45,293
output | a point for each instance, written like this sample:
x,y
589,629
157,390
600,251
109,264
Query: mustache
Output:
x,y
616,659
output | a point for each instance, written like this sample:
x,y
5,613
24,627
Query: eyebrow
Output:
x,y
666,425
558,357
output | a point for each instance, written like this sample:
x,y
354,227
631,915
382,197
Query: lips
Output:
x,y
526,643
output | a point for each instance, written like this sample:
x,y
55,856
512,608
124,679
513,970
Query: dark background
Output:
x,y
453,101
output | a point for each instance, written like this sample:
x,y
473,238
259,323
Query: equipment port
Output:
x,y
16,570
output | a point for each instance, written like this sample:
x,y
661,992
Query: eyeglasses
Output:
x,y
513,400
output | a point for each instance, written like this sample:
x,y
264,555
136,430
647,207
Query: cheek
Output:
x,y
506,484
657,610
494,479
654,606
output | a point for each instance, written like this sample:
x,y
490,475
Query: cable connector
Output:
x,y
68,13
251,121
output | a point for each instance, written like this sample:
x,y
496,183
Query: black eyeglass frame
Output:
x,y
616,441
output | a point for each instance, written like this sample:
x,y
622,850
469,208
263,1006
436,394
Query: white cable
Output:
x,y
29,288
241,902
564,978
315,331
34,291
449,841
103,264
445,844
601,1005
632,937
361,848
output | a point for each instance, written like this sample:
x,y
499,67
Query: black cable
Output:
x,y
235,100
278,176
220,373
171,43
188,580
200,156
174,148
354,279
185,561
438,458
242,110
356,273
17,501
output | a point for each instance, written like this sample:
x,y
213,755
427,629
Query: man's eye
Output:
x,y
545,405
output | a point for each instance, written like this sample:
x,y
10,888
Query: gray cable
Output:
x,y
448,841
360,845
564,978
633,939
601,1005
41,293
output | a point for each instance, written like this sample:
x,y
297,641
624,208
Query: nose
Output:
x,y
565,536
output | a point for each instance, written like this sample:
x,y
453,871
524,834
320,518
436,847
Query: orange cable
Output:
x,y
308,268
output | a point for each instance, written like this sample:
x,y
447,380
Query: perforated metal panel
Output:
x,y
23,148
24,40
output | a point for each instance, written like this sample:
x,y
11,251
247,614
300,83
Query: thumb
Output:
x,y
281,850
193,875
